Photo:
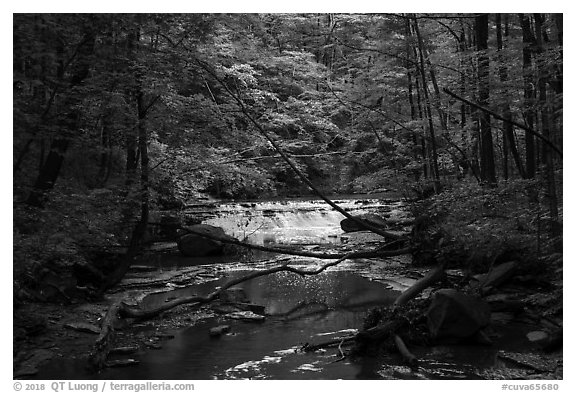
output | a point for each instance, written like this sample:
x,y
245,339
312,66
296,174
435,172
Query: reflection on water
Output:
x,y
300,310
284,293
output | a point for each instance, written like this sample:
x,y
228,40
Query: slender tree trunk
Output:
x,y
509,142
411,94
528,41
502,72
105,145
487,167
437,103
435,170
556,81
423,147
462,69
551,193
144,160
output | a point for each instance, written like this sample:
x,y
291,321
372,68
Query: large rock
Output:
x,y
375,220
247,316
219,330
193,245
496,276
455,315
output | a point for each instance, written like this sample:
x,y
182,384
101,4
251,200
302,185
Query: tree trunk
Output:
x,y
140,229
435,170
423,147
411,96
487,167
48,173
509,141
50,170
551,193
528,42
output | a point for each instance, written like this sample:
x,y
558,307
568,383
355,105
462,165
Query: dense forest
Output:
x,y
118,117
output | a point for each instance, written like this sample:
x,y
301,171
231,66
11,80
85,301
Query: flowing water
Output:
x,y
298,311
290,222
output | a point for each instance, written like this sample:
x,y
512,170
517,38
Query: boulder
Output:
x,y
349,225
496,276
454,315
247,316
219,330
192,245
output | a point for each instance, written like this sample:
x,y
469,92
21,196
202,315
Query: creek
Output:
x,y
298,309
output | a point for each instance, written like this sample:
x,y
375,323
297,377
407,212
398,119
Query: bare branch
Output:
x,y
497,116
379,252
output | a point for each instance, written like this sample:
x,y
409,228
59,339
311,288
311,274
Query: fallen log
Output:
x,y
327,344
366,338
104,341
430,278
409,358
379,333
379,252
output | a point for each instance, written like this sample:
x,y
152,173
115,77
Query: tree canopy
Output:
x,y
122,114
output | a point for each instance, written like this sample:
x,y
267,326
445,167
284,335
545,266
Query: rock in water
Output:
x,y
219,330
537,336
375,220
192,245
455,315
247,316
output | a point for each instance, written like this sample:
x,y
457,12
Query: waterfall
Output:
x,y
287,222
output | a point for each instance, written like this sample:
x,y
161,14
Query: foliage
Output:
x,y
73,226
482,226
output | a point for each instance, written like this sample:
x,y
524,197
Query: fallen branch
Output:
x,y
104,342
134,312
514,123
379,252
341,353
327,344
430,278
381,332
406,354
